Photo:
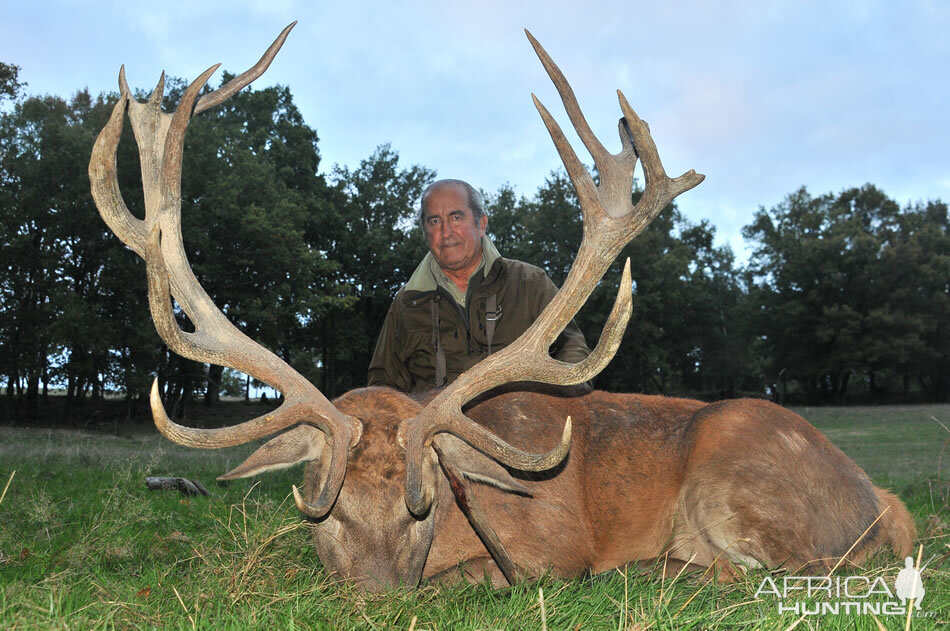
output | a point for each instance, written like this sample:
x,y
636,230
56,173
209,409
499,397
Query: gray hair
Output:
x,y
475,200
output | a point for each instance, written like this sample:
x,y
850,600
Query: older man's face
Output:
x,y
453,235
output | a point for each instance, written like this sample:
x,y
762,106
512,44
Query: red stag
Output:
x,y
399,492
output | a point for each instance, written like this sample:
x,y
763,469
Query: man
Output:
x,y
463,302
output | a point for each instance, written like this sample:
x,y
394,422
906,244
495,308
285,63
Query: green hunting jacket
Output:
x,y
405,353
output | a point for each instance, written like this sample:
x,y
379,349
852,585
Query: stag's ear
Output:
x,y
477,467
300,444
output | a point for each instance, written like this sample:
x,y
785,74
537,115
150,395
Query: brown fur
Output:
x,y
897,530
379,410
725,484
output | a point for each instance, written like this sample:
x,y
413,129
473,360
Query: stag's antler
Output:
x,y
610,222
158,240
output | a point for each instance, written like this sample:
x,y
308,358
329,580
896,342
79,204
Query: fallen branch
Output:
x,y
188,487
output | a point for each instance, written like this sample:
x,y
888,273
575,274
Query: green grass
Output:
x,y
84,545
889,442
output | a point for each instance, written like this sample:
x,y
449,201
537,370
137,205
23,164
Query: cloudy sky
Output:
x,y
762,97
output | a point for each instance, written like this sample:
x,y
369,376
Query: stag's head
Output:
x,y
379,466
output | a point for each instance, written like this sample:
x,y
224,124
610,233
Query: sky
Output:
x,y
761,97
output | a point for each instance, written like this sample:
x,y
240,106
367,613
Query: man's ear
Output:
x,y
483,223
300,444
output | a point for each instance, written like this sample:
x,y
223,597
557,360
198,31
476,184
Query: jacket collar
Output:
x,y
423,279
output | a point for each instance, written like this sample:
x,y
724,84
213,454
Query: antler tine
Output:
x,y
244,79
594,146
158,93
158,240
104,182
580,178
660,190
610,222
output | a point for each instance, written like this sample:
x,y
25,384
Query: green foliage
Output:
x,y
9,81
853,286
250,188
55,286
231,383
377,243
844,293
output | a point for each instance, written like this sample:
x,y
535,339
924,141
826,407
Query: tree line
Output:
x,y
846,295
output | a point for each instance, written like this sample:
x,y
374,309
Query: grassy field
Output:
x,y
84,545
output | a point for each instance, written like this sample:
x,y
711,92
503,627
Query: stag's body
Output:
x,y
646,475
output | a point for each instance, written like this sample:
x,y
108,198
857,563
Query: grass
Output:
x,y
83,545
889,442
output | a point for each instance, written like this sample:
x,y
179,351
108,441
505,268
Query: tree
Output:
x,y
55,284
910,320
259,222
843,292
36,157
250,189
10,85
376,244
850,285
